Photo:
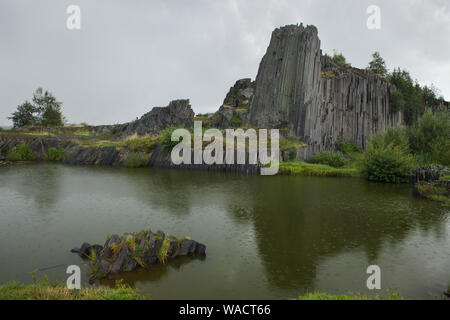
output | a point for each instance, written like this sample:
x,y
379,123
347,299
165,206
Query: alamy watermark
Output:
x,y
374,19
73,22
374,280
254,152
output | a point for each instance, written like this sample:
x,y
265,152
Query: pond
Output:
x,y
267,237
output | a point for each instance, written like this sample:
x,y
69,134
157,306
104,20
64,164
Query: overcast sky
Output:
x,y
130,56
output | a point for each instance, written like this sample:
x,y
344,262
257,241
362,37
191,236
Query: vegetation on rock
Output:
x,y
21,153
134,250
55,154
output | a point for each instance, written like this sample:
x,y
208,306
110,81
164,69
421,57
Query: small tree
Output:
x,y
49,108
378,65
24,116
45,110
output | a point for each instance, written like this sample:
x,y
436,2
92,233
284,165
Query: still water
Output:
x,y
267,237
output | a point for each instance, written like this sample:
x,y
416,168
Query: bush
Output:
x,y
331,159
145,144
166,138
386,163
21,153
430,138
440,153
135,160
348,147
54,154
397,136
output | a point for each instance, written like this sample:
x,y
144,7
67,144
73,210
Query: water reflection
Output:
x,y
267,237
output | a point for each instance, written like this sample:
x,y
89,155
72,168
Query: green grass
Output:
x,y
308,169
433,192
43,290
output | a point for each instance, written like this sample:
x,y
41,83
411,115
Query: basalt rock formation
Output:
x,y
314,99
136,250
234,110
177,114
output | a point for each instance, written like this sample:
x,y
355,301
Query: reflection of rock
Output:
x,y
139,249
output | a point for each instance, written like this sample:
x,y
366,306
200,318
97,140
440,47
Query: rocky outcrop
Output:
x,y
178,113
234,111
131,251
314,99
240,94
428,173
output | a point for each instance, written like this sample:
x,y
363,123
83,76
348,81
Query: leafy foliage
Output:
x,y
135,160
338,57
411,98
45,111
54,154
348,147
24,116
378,65
387,157
166,138
335,160
431,137
21,153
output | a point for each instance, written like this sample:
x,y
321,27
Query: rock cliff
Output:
x,y
314,99
178,114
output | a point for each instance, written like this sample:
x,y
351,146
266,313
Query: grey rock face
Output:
x,y
178,114
240,94
315,100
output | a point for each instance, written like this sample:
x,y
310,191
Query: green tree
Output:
x,y
24,116
409,98
430,137
44,110
49,108
378,65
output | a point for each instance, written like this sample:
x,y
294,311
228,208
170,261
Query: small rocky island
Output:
x,y
135,250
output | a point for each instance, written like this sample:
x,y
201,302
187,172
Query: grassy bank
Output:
x,y
46,291
296,168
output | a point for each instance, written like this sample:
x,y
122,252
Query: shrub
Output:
x,y
431,136
166,138
396,136
386,163
145,144
331,159
54,154
440,153
21,153
135,160
339,58
348,147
